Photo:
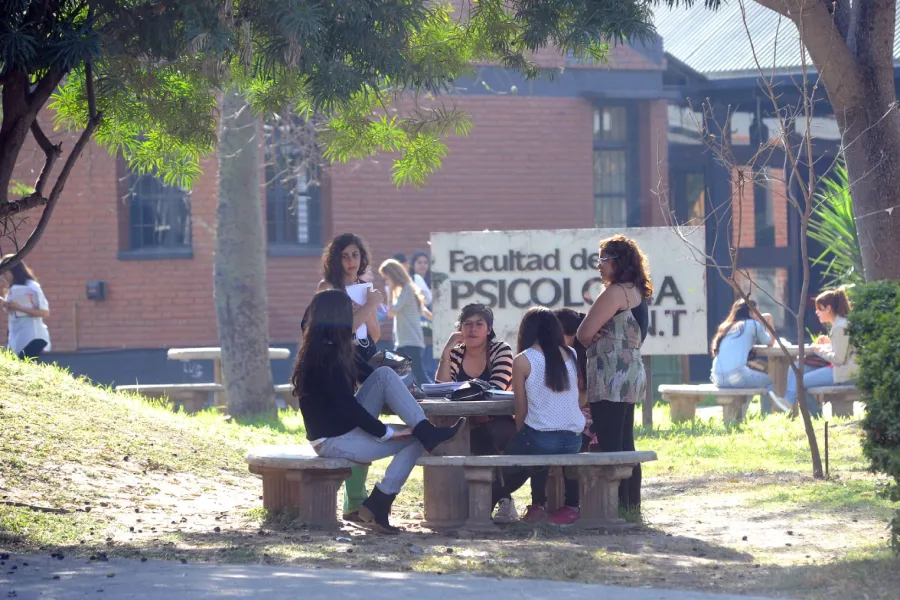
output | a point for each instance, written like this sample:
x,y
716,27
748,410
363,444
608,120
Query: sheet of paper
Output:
x,y
358,293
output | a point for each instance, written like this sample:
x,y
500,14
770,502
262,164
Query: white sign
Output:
x,y
511,271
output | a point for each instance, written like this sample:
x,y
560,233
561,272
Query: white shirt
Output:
x,y
23,328
549,410
426,290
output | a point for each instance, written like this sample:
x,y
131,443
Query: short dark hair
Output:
x,y
400,257
478,310
569,319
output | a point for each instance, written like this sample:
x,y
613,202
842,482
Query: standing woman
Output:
x,y
344,262
420,271
406,306
613,333
27,307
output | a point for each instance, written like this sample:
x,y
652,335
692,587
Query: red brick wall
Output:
x,y
526,165
742,197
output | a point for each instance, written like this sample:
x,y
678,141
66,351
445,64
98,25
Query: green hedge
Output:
x,y
875,331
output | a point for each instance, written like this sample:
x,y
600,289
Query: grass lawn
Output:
x,y
726,508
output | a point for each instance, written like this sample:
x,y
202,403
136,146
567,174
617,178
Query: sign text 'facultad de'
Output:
x,y
513,270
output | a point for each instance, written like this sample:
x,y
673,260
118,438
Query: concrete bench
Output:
x,y
683,400
841,398
296,477
599,475
286,392
190,396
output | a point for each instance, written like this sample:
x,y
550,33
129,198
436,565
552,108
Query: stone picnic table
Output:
x,y
778,366
215,355
446,488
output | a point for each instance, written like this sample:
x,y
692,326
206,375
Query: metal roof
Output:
x,y
715,42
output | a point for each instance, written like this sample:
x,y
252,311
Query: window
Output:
x,y
614,167
157,218
769,287
293,219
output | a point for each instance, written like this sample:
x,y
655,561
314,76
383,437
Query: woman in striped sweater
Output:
x,y
473,352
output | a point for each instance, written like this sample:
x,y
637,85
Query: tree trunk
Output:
x,y
240,265
871,135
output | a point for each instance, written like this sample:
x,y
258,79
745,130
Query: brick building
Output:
x,y
590,147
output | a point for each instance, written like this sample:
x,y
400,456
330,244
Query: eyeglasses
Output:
x,y
605,259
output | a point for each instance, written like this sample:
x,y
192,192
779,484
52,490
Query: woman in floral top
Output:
x,y
613,333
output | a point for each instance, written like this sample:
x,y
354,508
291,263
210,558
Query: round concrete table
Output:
x,y
446,489
215,355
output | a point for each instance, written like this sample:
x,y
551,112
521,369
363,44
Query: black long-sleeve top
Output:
x,y
329,407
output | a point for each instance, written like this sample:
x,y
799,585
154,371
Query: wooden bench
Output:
x,y
599,475
683,400
296,477
190,396
841,398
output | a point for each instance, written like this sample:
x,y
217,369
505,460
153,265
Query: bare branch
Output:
x,y
51,153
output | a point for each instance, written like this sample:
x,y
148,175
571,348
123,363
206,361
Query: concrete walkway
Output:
x,y
48,578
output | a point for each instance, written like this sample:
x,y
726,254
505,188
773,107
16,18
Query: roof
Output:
x,y
715,42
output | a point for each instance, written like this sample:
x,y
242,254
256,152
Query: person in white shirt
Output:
x,y
546,383
27,307
832,307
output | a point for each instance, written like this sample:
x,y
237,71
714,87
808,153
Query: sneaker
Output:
x,y
506,512
565,516
780,402
535,513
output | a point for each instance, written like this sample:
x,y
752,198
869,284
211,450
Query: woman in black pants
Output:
x,y
613,332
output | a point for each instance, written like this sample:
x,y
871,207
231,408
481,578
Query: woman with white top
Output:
x,y
27,307
406,305
546,383
832,308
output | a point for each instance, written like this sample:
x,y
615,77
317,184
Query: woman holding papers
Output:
x,y
27,307
341,424
344,263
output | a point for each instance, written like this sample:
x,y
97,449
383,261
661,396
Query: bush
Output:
x,y
875,332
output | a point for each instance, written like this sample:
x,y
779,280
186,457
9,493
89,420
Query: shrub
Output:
x,y
875,332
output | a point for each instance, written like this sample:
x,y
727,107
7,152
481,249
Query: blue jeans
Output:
x,y
531,441
812,377
745,377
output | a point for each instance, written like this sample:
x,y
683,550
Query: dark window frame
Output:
x,y
281,204
631,146
133,244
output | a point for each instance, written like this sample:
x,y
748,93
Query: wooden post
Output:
x,y
219,398
648,396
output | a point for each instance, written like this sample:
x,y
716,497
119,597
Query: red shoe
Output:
x,y
565,516
534,514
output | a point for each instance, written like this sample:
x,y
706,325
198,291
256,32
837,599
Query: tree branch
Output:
x,y
51,153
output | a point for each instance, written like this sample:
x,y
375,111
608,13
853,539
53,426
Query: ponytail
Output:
x,y
837,300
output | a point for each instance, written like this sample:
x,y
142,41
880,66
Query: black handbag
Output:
x,y
401,364
476,389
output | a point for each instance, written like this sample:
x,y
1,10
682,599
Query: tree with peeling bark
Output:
x,y
851,44
143,79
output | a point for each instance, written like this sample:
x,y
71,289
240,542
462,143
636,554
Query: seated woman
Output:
x,y
341,425
832,307
546,383
731,347
472,352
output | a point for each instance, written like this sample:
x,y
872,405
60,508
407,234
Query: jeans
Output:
x,y
811,378
530,441
418,367
745,377
382,387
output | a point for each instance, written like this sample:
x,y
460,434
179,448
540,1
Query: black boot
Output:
x,y
376,509
432,436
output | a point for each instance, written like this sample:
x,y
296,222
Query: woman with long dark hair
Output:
x,y
27,307
613,332
345,262
546,383
340,424
731,348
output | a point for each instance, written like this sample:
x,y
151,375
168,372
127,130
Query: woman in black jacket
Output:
x,y
341,425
